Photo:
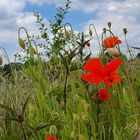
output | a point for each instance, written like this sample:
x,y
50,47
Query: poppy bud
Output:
x,y
88,44
104,30
1,61
109,24
90,32
125,30
33,50
21,43
67,35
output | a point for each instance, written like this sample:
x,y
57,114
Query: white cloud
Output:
x,y
28,21
122,13
40,2
11,18
11,6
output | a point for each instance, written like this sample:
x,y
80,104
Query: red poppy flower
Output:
x,y
103,95
111,42
112,78
51,138
99,73
88,44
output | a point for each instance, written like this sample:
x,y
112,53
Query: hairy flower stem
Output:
x,y
96,35
129,50
23,130
65,90
28,38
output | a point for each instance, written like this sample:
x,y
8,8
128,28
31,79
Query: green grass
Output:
x,y
118,118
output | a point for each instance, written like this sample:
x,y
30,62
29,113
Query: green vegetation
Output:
x,y
44,94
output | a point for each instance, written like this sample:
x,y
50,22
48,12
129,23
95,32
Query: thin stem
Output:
x,y
96,35
65,89
28,38
71,32
7,58
6,55
24,134
67,63
128,47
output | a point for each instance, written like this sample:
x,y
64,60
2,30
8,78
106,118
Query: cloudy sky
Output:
x,y
17,13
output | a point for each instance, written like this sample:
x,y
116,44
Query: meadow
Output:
x,y
66,93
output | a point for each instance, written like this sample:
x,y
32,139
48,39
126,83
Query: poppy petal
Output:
x,y
91,78
111,42
103,95
51,138
112,66
113,78
119,42
93,65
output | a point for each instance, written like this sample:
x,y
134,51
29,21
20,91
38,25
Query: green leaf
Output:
x,y
8,109
8,119
55,48
42,125
79,43
25,104
87,58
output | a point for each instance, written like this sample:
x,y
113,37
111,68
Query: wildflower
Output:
x,y
112,78
103,95
88,44
51,138
111,42
99,73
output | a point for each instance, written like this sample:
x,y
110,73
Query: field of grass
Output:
x,y
48,94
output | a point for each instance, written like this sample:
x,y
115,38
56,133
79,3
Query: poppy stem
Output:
x,y
28,39
96,35
131,56
65,89
24,134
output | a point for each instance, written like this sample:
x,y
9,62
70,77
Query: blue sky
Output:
x,y
17,13
76,17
